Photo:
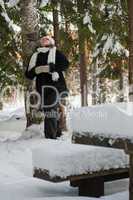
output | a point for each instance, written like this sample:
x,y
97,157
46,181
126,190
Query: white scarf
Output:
x,y
51,56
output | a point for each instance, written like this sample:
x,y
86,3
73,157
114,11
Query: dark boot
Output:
x,y
59,131
50,127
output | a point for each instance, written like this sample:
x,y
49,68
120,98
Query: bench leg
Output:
x,y
92,187
131,178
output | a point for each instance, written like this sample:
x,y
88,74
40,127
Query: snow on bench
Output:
x,y
114,121
63,159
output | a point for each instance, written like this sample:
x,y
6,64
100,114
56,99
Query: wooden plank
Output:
x,y
112,175
44,174
109,175
99,140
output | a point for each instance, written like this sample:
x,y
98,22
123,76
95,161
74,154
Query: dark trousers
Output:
x,y
51,122
51,127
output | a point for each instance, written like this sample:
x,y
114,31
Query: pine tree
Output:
x,y
10,52
110,46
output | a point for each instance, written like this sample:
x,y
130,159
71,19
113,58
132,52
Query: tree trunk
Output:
x,y
83,73
94,83
131,177
130,23
82,56
1,105
56,22
121,82
30,34
62,120
102,90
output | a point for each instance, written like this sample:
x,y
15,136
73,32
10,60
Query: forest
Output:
x,y
92,34
62,152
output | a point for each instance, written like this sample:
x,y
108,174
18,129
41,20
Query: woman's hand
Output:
x,y
42,69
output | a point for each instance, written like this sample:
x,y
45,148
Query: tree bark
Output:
x,y
94,83
130,25
82,56
102,91
30,34
62,120
56,22
121,82
83,72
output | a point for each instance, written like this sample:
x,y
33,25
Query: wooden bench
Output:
x,y
89,183
105,140
106,125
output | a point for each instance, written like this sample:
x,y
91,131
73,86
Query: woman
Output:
x,y
47,65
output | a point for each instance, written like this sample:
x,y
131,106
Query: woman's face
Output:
x,y
44,41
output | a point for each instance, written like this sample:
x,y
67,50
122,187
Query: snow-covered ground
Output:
x,y
16,181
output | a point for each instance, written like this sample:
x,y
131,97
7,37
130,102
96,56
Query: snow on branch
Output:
x,y
110,44
2,4
113,45
44,3
10,22
87,20
12,3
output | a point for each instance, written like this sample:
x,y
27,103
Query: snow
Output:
x,y
16,181
87,20
102,7
8,113
44,3
10,22
68,198
113,45
2,3
119,196
63,159
12,3
112,120
110,44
